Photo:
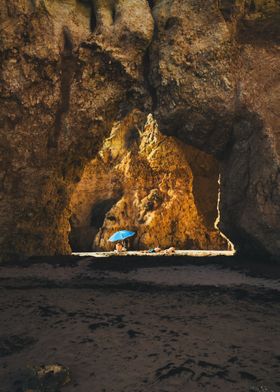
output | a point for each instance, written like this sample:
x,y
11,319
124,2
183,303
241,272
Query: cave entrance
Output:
x,y
141,180
85,228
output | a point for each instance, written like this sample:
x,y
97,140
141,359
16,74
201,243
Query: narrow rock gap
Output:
x,y
90,4
217,221
93,19
146,72
151,3
227,9
67,66
147,67
252,6
114,13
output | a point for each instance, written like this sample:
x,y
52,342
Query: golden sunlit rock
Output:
x,y
150,183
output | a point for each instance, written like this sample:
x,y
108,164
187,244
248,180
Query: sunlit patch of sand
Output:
x,y
196,253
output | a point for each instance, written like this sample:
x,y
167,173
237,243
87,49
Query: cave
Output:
x,y
82,234
141,180
161,117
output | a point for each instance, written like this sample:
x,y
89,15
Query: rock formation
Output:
x,y
215,72
208,70
61,86
150,183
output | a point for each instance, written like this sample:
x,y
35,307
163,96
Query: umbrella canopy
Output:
x,y
121,235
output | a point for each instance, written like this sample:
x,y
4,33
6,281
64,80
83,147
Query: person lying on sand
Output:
x,y
120,248
153,250
170,251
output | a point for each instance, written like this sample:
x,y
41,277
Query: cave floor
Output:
x,y
180,253
143,324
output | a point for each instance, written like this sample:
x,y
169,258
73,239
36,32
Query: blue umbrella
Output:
x,y
121,235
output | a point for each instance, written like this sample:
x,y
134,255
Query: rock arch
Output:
x,y
163,190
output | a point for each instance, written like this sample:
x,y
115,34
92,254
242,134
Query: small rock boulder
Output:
x,y
45,378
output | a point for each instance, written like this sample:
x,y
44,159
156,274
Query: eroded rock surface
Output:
x,y
215,72
208,69
62,85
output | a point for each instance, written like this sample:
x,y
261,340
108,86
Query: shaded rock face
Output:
x,y
208,70
61,86
150,183
215,70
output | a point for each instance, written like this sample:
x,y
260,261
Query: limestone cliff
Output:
x,y
208,70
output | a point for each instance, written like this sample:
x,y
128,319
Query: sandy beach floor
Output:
x,y
129,326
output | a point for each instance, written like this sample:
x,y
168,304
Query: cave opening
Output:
x,y
83,232
150,183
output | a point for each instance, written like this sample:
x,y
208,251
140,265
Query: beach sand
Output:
x,y
122,326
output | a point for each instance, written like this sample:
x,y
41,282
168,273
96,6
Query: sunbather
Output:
x,y
120,248
170,251
152,250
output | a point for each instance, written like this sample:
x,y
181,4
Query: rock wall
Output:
x,y
214,67
61,86
208,70
149,183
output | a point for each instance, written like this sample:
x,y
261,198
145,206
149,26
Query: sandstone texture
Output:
x,y
207,70
144,181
